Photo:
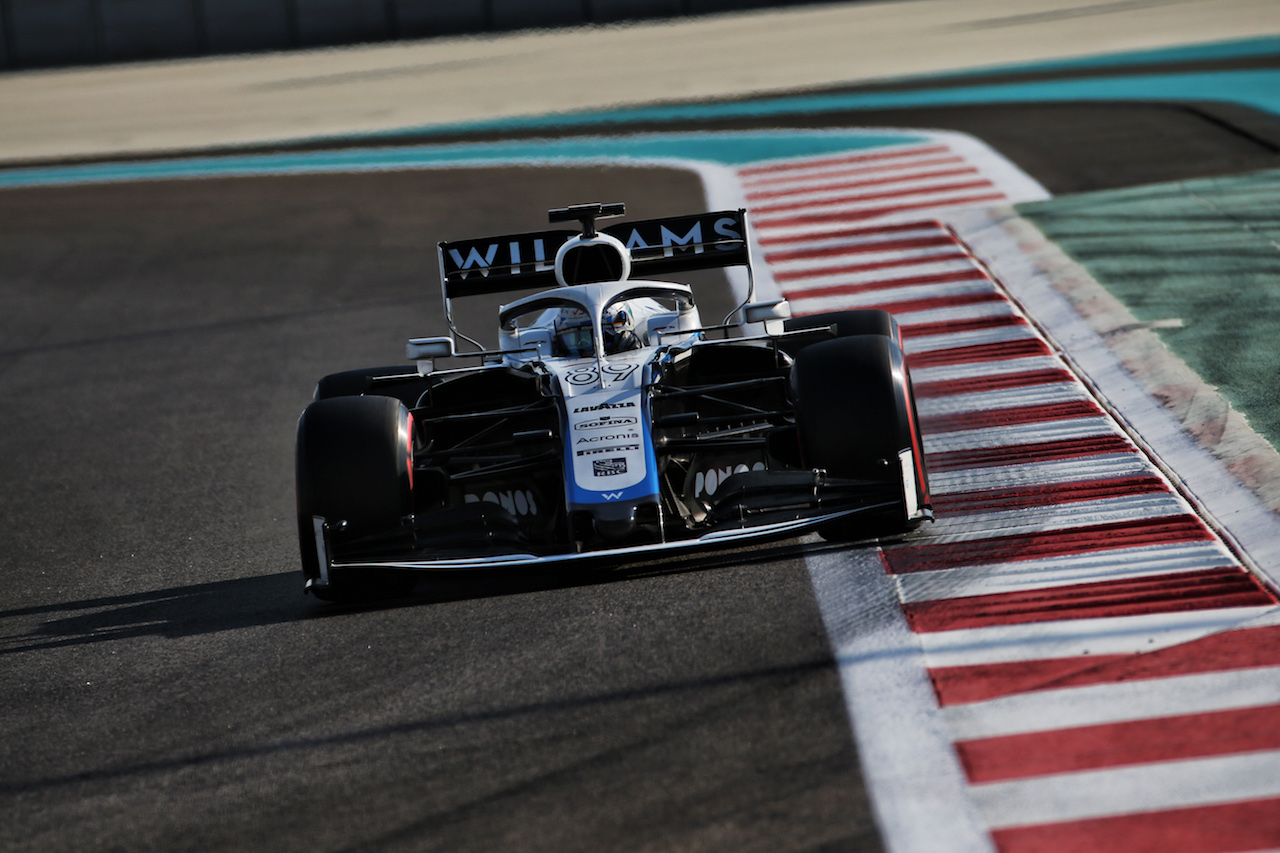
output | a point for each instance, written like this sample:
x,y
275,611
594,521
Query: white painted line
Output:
x,y
1079,637
979,283
786,169
812,304
977,526
914,780
1130,790
1038,432
809,280
857,207
1004,398
859,257
832,180
955,313
908,185
1119,702
1081,470
1047,573
822,173
881,202
977,369
955,340
868,237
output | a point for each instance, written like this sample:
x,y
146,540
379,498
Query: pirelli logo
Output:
x,y
622,448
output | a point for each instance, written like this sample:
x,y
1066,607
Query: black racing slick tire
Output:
x,y
401,382
855,413
354,466
848,324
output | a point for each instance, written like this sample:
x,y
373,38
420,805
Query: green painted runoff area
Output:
x,y
1206,252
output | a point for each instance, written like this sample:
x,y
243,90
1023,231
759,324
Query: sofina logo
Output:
x,y
604,422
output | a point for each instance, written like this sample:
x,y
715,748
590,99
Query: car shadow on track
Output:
x,y
173,612
208,608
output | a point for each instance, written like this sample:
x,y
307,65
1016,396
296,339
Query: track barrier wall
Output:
x,y
52,33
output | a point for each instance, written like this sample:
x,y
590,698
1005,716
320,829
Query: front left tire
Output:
x,y
354,466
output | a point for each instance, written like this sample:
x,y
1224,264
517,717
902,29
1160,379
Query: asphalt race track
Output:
x,y
168,685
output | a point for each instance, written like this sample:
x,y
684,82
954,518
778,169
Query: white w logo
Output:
x,y
612,496
474,258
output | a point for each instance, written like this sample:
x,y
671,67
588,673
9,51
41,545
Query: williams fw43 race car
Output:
x,y
609,423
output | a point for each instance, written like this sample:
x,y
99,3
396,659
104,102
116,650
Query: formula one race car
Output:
x,y
609,423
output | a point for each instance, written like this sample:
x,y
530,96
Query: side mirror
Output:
x,y
759,312
426,350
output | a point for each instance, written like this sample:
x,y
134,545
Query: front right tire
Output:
x,y
852,323
855,414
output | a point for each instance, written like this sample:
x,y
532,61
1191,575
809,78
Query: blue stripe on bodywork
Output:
x,y
581,498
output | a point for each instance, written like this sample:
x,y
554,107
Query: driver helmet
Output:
x,y
619,324
573,336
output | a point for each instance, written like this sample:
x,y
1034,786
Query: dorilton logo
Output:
x,y
706,482
630,404
609,467
519,502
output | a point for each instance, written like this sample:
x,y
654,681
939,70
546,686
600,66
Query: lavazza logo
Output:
x,y
630,404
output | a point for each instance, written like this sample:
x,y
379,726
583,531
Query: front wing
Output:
x,y
713,539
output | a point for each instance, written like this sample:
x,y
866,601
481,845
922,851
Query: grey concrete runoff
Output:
x,y
260,99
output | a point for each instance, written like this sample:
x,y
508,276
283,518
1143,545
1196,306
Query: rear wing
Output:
x,y
658,247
